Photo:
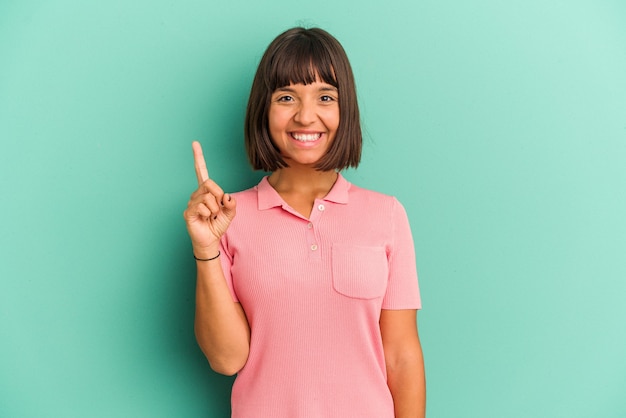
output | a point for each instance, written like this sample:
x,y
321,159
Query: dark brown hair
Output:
x,y
299,56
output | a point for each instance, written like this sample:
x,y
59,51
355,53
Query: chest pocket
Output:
x,y
359,271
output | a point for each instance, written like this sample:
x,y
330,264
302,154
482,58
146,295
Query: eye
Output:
x,y
327,98
285,99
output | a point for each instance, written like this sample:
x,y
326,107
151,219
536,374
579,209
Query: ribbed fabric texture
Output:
x,y
312,290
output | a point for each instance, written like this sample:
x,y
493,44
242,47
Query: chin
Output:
x,y
295,162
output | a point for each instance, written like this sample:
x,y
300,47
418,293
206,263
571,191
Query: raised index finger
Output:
x,y
198,158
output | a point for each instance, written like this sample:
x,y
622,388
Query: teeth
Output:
x,y
306,137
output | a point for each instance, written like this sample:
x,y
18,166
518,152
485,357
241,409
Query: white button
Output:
x,y
313,247
309,225
321,207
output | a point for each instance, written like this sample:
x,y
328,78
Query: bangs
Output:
x,y
302,60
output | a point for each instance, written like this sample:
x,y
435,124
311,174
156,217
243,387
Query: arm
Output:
x,y
404,362
221,326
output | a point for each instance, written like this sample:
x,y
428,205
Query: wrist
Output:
x,y
207,259
205,253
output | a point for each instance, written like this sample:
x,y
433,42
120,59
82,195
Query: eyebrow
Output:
x,y
324,88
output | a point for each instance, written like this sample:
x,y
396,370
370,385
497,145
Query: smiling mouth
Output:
x,y
306,137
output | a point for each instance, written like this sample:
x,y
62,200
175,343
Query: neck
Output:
x,y
309,182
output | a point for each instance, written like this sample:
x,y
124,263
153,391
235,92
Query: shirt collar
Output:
x,y
269,198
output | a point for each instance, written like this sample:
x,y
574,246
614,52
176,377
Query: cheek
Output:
x,y
276,120
333,115
332,120
276,127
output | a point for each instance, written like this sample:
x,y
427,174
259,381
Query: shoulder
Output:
x,y
361,195
384,208
247,198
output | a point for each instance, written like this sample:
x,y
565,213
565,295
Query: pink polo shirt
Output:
x,y
312,290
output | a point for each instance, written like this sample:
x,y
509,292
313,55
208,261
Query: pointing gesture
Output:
x,y
198,158
209,210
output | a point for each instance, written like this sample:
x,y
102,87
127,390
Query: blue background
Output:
x,y
501,126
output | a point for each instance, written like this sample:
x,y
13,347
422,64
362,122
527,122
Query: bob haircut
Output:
x,y
301,56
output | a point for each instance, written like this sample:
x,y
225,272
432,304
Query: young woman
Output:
x,y
309,294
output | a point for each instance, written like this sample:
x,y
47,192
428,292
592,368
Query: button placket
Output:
x,y
311,230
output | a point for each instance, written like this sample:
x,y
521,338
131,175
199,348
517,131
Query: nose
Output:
x,y
305,114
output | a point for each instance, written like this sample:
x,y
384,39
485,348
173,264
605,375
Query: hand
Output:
x,y
209,210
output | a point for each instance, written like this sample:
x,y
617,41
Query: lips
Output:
x,y
306,137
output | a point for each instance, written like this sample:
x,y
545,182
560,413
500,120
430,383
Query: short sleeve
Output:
x,y
226,259
402,287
